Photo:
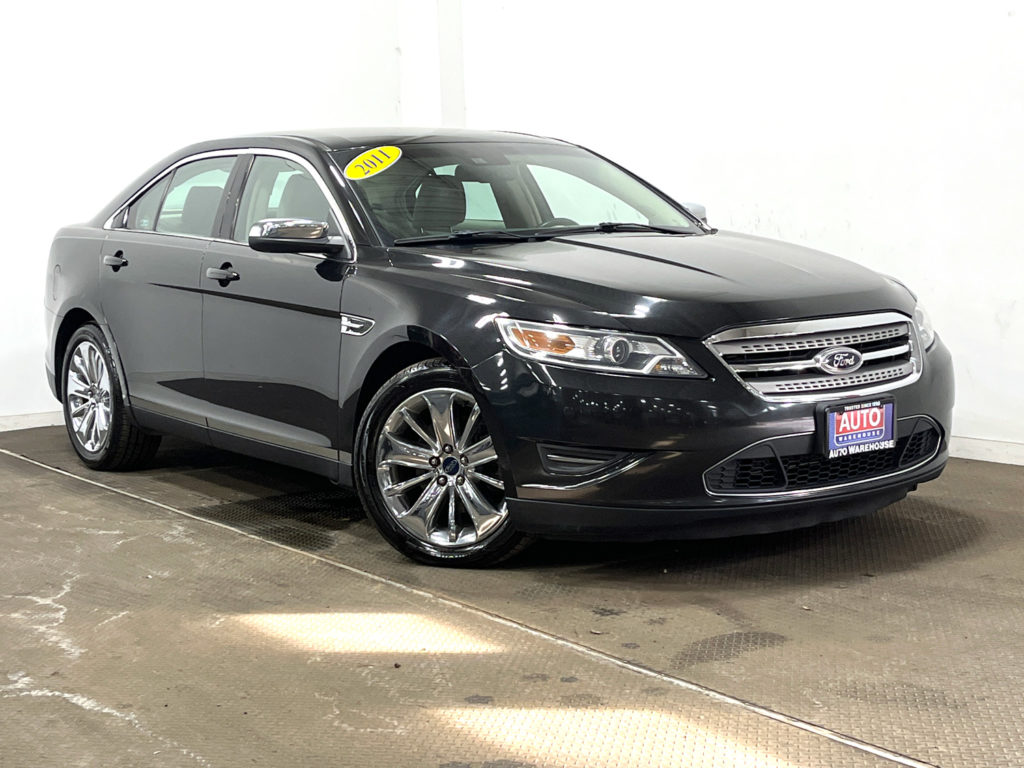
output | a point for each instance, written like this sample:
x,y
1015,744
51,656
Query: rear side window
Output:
x,y
277,188
193,197
142,213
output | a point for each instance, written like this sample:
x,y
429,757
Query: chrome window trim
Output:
x,y
801,327
332,201
824,488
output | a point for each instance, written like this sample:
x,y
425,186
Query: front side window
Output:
x,y
193,197
277,188
450,188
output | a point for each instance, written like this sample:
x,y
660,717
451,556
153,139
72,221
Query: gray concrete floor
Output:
x,y
134,632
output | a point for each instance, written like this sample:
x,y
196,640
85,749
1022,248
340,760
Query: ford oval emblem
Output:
x,y
837,360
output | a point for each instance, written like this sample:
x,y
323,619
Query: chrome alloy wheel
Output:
x,y
437,470
88,396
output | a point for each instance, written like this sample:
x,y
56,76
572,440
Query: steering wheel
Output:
x,y
559,222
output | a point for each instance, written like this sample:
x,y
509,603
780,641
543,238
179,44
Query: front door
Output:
x,y
150,287
271,334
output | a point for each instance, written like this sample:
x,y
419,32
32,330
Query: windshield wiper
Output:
x,y
488,235
621,226
500,235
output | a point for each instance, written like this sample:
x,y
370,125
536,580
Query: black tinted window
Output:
x,y
193,198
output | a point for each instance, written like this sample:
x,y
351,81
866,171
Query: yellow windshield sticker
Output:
x,y
372,162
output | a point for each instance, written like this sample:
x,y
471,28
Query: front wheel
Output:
x,y
427,471
101,429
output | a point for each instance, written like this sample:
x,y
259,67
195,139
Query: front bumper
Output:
x,y
677,429
588,522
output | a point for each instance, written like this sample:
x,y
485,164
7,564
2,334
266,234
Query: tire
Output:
x,y
445,505
100,427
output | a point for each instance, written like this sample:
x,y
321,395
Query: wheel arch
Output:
x,y
74,319
418,344
71,322
388,363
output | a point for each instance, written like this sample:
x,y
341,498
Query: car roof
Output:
x,y
348,138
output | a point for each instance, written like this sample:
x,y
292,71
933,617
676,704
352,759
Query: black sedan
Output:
x,y
493,337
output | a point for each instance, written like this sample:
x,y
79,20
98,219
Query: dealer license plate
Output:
x,y
859,427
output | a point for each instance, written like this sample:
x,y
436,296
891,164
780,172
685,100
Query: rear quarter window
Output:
x,y
142,213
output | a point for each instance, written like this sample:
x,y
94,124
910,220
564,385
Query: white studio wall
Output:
x,y
888,133
99,92
892,134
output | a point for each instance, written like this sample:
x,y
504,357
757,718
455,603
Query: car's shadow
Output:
x,y
307,512
901,537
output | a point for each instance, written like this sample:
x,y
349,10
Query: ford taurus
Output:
x,y
493,337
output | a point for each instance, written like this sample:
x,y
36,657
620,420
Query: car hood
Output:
x,y
672,284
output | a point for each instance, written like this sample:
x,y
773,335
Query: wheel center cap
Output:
x,y
450,465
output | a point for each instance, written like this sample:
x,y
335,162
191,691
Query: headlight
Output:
x,y
922,321
598,350
925,331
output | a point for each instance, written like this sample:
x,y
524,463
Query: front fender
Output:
x,y
435,316
443,306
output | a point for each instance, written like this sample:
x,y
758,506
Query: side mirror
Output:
x,y
294,236
697,210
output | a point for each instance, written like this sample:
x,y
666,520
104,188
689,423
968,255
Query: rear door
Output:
x,y
151,277
271,337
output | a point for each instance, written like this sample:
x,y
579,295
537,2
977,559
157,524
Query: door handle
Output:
x,y
224,275
116,260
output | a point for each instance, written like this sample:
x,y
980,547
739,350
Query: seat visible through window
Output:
x,y
200,210
277,188
302,199
440,205
193,197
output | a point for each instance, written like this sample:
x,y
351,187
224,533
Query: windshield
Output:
x,y
437,190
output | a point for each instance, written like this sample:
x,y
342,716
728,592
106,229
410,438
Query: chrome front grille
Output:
x,y
777,361
818,341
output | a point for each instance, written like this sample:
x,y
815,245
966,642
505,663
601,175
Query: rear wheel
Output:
x,y
428,473
101,429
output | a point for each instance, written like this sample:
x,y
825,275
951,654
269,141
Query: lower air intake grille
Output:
x,y
747,475
814,470
806,471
